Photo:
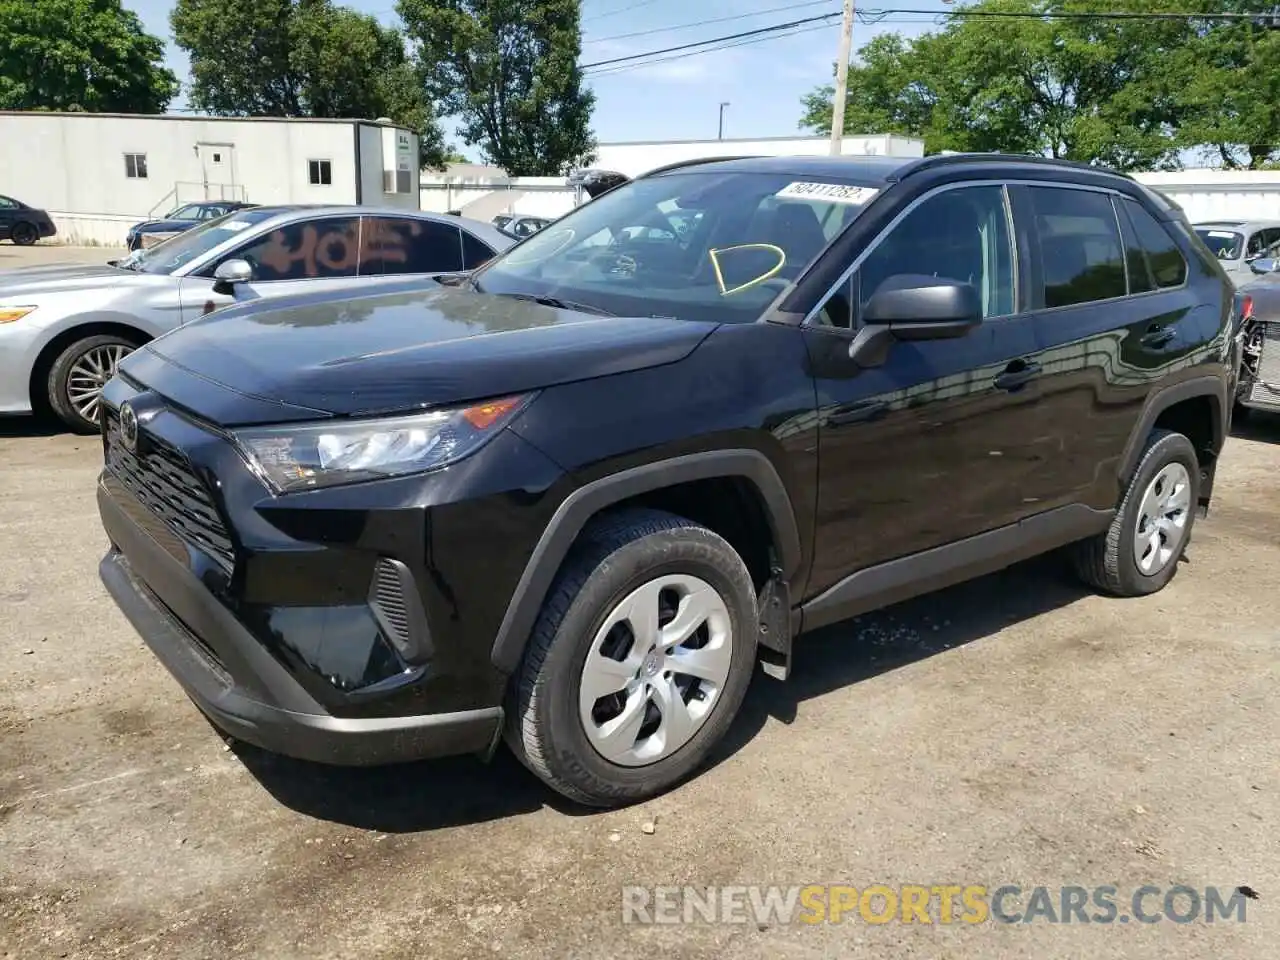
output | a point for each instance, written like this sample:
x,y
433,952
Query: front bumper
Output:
x,y
236,682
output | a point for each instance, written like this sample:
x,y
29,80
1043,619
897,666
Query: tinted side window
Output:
x,y
474,252
958,234
1079,245
395,246
305,251
1135,259
1167,264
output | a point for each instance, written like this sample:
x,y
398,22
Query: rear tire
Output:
x,y
78,374
634,740
24,234
1140,552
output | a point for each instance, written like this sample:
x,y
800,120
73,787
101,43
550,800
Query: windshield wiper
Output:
x,y
560,304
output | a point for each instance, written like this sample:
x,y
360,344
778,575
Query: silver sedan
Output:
x,y
63,329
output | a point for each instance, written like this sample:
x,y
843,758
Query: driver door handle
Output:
x,y
1017,373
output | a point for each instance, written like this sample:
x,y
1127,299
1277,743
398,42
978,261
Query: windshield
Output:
x,y
186,246
189,212
697,245
1224,244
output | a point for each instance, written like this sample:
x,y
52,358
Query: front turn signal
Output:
x,y
10,314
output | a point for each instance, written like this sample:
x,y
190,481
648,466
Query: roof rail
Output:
x,y
946,159
693,163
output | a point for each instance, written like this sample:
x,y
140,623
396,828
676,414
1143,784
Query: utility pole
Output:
x,y
723,104
842,77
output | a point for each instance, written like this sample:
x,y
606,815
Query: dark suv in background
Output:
x,y
572,499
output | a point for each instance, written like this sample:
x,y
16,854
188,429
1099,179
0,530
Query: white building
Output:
x,y
1211,194
483,191
98,173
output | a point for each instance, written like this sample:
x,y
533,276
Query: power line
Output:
x,y
625,67
957,14
703,23
626,9
759,31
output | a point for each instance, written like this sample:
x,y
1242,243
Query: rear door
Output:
x,y
406,245
1108,290
309,255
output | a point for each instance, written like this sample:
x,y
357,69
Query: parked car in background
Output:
x,y
1237,243
22,224
178,220
519,225
1258,304
64,329
575,499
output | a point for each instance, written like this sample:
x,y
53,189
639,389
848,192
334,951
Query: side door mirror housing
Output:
x,y
1264,265
231,272
914,307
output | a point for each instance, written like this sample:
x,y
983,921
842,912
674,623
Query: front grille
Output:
x,y
162,480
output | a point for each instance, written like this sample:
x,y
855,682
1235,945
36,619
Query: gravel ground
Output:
x,y
1015,730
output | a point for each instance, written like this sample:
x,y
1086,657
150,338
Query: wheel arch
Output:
x,y
64,338
651,484
1198,408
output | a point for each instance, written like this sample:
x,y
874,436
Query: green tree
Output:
x,y
89,55
508,69
303,58
1084,89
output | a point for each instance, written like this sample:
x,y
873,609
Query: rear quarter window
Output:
x,y
1167,265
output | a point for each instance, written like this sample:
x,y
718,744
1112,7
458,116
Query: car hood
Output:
x,y
162,225
392,352
63,278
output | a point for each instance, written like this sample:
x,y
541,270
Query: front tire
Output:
x,y
78,375
1140,552
638,662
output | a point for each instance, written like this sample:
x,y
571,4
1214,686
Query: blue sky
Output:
x,y
678,99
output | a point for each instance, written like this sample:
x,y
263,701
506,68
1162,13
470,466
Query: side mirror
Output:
x,y
914,307
1264,265
229,273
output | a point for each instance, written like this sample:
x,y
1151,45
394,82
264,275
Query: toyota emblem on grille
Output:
x,y
128,427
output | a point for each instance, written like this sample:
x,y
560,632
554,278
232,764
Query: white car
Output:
x,y
64,328
1237,243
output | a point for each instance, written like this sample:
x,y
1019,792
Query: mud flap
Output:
x,y
774,639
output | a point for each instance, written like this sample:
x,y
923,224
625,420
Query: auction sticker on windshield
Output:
x,y
833,192
235,225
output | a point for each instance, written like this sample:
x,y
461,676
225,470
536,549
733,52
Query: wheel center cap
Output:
x,y
652,664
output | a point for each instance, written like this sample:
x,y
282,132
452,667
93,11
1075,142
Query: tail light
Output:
x,y
1246,307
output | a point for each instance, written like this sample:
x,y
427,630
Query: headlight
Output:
x,y
10,314
313,455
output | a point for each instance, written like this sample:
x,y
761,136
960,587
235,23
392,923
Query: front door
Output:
x,y
928,447
311,255
218,170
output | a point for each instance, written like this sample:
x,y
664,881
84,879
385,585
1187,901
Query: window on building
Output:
x,y
217,158
1165,259
402,245
135,166
314,249
1079,245
320,172
395,181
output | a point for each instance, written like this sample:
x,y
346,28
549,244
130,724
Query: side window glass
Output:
x,y
1168,266
1135,259
404,246
474,252
1079,245
960,234
305,251
1254,246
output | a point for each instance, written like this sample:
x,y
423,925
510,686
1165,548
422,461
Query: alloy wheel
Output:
x,y
90,373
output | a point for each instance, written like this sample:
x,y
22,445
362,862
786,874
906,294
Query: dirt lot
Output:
x,y
1015,730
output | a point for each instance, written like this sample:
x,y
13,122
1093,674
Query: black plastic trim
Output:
x,y
581,505
896,580
413,642
1215,388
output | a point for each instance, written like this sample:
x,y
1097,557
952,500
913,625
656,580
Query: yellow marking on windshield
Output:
x,y
714,253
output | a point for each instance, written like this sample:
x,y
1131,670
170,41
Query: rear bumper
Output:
x,y
239,685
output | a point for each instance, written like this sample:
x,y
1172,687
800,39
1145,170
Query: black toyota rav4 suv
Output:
x,y
573,498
